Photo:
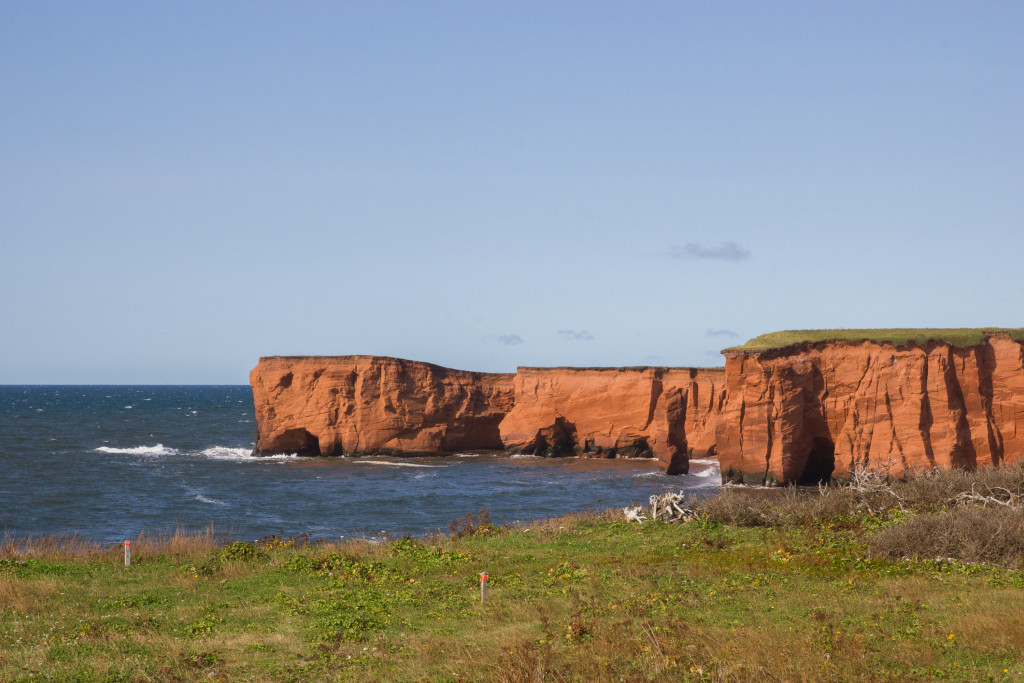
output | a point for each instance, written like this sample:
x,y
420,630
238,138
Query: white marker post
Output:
x,y
127,553
483,586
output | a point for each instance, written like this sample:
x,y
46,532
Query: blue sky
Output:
x,y
186,186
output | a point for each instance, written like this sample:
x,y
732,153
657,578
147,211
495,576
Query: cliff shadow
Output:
x,y
298,441
820,464
557,439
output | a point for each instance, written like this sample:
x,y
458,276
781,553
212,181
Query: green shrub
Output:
x,y
242,552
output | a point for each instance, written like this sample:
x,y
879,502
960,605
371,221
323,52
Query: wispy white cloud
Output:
x,y
726,251
510,339
720,333
582,335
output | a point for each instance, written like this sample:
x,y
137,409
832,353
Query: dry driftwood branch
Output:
x,y
1012,500
671,507
667,507
867,479
633,514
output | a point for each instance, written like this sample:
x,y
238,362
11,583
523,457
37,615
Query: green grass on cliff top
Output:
x,y
962,336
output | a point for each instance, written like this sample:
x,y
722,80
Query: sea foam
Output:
x,y
158,449
241,454
398,464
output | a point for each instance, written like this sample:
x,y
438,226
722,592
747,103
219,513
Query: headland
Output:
x,y
792,407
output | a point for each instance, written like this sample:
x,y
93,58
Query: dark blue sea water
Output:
x,y
108,462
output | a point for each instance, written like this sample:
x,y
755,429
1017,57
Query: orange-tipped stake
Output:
x,y
127,553
483,586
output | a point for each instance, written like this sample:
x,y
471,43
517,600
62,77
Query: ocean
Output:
x,y
109,462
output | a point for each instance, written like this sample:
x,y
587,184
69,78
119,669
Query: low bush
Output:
x,y
971,534
845,502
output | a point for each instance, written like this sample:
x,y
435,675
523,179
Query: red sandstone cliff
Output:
x,y
792,414
370,404
604,412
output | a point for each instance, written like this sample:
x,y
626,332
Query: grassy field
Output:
x,y
955,336
791,587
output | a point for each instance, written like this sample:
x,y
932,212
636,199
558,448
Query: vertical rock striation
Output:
x,y
798,414
372,404
368,404
666,413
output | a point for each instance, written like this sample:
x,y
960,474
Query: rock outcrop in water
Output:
x,y
368,404
797,414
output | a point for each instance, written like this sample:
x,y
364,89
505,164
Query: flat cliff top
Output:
x,y
370,359
612,368
957,336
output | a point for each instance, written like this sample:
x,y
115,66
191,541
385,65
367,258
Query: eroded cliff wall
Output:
x,y
604,412
794,415
370,404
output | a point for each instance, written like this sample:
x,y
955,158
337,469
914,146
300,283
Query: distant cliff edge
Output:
x,y
787,408
333,405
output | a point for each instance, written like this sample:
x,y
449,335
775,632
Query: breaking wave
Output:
x,y
242,454
226,453
158,449
707,473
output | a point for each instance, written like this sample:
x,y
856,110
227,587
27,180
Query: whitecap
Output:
x,y
212,501
128,407
524,455
399,464
467,455
158,449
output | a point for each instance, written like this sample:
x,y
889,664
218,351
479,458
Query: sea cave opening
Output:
x,y
298,441
821,462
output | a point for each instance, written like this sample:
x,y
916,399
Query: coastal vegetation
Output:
x,y
898,337
915,580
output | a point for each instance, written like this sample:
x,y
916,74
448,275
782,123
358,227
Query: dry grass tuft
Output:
x,y
52,548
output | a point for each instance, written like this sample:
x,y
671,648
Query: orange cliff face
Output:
x,y
795,415
368,404
604,412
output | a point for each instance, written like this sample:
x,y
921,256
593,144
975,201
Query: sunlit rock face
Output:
x,y
801,414
332,405
368,404
666,413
